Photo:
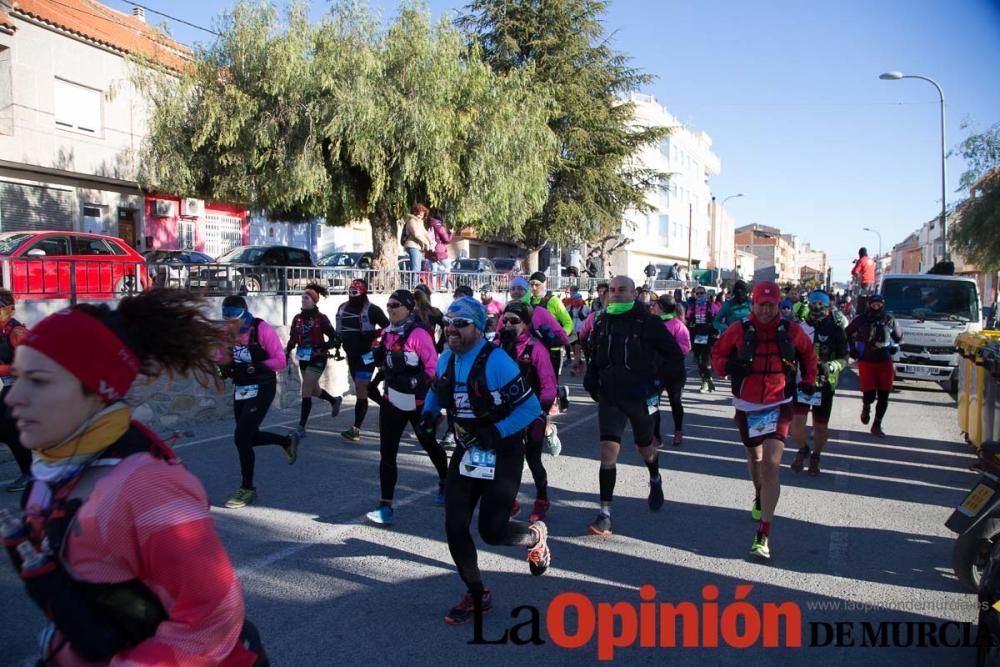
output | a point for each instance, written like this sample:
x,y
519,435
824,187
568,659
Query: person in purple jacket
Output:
x,y
535,364
666,308
438,255
406,359
253,364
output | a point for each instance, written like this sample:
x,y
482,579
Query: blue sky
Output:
x,y
789,92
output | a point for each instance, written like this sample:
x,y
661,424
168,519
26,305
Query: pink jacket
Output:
x,y
494,307
442,237
149,519
268,339
679,331
542,362
588,326
420,344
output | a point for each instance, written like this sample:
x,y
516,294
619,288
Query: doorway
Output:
x,y
126,226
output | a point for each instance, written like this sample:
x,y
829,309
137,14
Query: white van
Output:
x,y
931,310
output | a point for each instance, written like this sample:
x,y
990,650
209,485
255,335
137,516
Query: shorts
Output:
x,y
821,412
316,365
780,433
611,419
876,375
359,370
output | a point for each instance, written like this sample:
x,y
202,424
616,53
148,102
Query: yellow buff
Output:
x,y
620,308
99,435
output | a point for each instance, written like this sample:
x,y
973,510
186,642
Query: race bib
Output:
x,y
815,399
368,358
404,402
245,392
479,463
304,353
701,340
763,422
652,404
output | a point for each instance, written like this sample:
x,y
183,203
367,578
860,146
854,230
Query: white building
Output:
x,y
679,226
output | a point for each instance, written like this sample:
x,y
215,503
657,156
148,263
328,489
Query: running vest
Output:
x,y
526,365
743,357
478,406
404,371
245,370
6,349
119,615
620,363
366,323
315,333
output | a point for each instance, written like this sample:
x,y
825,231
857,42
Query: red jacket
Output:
x,y
866,267
766,382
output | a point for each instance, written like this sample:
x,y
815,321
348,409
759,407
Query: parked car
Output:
x,y
473,265
54,264
346,266
508,266
250,269
170,268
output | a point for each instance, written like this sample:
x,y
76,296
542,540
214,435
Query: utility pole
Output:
x,y
690,234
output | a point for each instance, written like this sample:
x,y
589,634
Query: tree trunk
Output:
x,y
531,261
385,250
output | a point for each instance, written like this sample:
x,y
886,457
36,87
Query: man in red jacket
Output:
x,y
764,354
864,269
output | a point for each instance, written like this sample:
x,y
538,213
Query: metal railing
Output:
x,y
55,278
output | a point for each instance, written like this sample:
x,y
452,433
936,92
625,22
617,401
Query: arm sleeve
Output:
x,y
292,338
897,332
683,339
179,555
720,318
808,362
501,372
432,403
840,349
377,316
421,342
547,377
588,326
663,341
328,331
276,357
558,310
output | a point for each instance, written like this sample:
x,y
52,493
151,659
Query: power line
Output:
x,y
168,16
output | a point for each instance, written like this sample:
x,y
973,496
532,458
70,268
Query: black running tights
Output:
x,y
391,424
249,414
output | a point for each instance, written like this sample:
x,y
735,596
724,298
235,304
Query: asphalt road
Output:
x,y
325,588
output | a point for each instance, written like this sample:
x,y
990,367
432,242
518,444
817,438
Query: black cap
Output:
x,y
405,297
423,288
521,309
539,276
463,290
875,297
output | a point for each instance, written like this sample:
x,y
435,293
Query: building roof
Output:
x,y
6,23
106,26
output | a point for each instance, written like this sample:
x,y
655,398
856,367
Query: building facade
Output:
x,y
72,125
774,253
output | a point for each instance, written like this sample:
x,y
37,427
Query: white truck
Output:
x,y
931,310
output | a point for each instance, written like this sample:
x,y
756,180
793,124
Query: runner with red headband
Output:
x,y
359,323
311,336
116,543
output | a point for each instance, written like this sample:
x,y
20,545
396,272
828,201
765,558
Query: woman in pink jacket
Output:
x,y
406,359
438,254
116,543
666,308
535,363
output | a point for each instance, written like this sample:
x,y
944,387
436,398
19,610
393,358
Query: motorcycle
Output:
x,y
988,638
977,520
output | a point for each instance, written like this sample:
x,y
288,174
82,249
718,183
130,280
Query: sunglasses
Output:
x,y
512,320
457,322
394,304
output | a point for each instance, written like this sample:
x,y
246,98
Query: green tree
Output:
x,y
596,177
350,119
977,234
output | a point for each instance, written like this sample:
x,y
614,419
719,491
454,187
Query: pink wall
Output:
x,y
163,231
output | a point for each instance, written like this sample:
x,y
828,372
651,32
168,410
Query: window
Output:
x,y
185,234
298,257
93,220
52,246
77,108
83,245
664,226
222,233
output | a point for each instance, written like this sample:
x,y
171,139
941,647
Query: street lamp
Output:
x,y
731,197
869,229
895,76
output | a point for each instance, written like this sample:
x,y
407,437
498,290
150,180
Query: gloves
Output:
x,y
427,425
257,354
807,389
545,333
488,437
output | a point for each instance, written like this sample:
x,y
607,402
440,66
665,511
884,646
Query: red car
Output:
x,y
41,264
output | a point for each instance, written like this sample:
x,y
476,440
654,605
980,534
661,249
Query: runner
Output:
x,y
830,344
632,351
700,318
406,358
494,309
535,365
873,338
760,355
358,325
540,297
733,310
117,545
666,308
579,311
253,363
306,336
12,333
491,404
427,316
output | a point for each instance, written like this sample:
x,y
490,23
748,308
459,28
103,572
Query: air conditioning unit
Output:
x,y
194,208
163,208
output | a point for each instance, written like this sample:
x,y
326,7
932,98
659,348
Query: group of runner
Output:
x,y
424,369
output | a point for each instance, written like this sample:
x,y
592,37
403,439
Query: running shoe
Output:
x,y
755,509
601,525
552,443
335,406
814,465
678,438
539,510
656,494
301,430
761,546
704,387
515,510
241,498
18,484
563,398
353,434
866,413
539,556
711,385
800,457
439,499
877,430
381,515
292,448
465,610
